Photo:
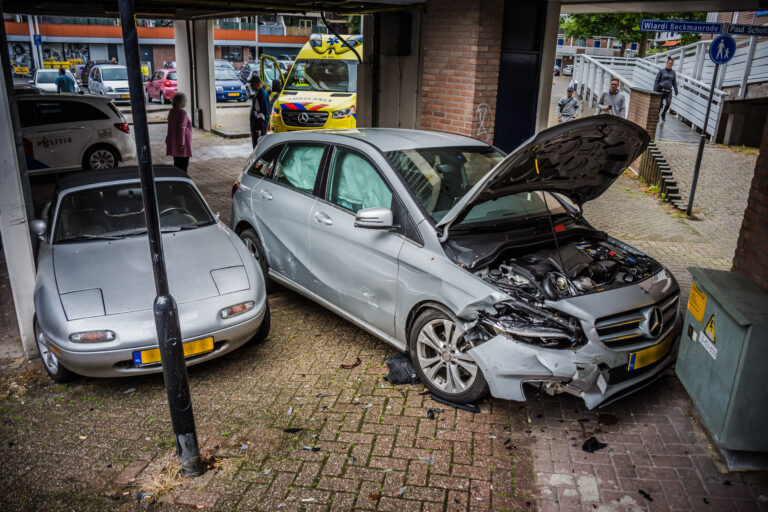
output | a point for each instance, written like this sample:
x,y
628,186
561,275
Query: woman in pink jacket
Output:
x,y
178,142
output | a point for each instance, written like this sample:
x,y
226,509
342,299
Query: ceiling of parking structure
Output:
x,y
613,6
198,9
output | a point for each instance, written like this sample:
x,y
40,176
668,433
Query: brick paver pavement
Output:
x,y
363,444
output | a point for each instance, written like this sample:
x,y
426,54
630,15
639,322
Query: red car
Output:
x,y
162,86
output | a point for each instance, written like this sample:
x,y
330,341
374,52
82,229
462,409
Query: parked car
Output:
x,y
95,288
162,86
246,70
110,80
169,64
557,71
45,80
87,70
73,131
228,85
568,70
223,63
480,266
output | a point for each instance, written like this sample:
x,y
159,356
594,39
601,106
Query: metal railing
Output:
x,y
584,50
591,78
272,30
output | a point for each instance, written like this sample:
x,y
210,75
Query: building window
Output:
x,y
232,53
597,44
633,47
560,41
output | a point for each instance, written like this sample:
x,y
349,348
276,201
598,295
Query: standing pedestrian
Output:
x,y
567,107
178,141
666,81
613,101
260,110
64,82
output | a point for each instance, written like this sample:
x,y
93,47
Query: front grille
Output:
x,y
622,373
314,119
632,326
231,88
122,89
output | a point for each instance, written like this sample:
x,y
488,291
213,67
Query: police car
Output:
x,y
70,131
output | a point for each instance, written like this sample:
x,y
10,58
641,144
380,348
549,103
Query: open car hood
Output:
x,y
579,159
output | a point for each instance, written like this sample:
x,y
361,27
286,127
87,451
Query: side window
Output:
x,y
50,112
264,164
298,165
26,113
76,111
355,184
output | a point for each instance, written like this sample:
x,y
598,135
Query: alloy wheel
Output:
x,y
102,159
441,353
251,248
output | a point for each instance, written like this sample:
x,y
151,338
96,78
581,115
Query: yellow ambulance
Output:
x,y
321,88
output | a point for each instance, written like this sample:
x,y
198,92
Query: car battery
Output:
x,y
723,363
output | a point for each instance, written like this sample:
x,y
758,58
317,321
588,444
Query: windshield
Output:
x,y
225,74
117,211
48,77
439,177
522,205
110,74
323,75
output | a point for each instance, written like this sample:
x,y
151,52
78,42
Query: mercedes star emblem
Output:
x,y
654,323
303,118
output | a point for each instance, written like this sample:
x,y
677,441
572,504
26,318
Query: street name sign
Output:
x,y
698,27
748,30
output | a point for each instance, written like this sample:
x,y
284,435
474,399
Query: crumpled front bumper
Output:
x,y
507,364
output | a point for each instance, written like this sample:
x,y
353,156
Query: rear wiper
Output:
x,y
81,238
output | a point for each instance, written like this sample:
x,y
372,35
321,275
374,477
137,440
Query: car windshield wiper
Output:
x,y
81,238
183,227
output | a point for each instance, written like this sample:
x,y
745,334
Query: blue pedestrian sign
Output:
x,y
722,48
38,40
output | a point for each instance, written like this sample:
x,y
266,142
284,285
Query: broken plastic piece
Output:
x,y
292,430
401,370
591,445
465,407
645,495
311,448
353,365
144,499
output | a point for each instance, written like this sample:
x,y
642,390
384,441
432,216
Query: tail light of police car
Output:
x,y
123,127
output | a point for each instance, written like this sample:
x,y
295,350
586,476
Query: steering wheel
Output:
x,y
172,209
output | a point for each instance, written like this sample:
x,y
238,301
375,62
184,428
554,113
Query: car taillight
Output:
x,y
235,186
167,83
123,127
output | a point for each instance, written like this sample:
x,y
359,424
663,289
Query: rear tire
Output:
x,y
100,157
263,331
163,101
254,246
439,355
51,363
147,96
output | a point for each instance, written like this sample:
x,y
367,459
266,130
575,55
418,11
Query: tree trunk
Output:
x,y
643,44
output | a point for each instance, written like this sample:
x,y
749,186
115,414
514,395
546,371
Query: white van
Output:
x,y
110,80
72,131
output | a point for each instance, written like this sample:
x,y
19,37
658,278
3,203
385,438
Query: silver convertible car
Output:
x,y
480,266
95,287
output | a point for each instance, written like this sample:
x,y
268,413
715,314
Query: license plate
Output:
x,y
234,94
650,355
192,348
125,96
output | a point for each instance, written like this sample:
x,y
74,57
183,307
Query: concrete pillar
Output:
x,y
14,230
752,249
365,76
194,63
551,26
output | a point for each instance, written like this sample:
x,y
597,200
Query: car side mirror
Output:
x,y
38,227
374,218
277,85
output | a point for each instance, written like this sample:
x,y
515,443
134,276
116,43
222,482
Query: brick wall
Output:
x,y
460,74
752,248
162,53
644,110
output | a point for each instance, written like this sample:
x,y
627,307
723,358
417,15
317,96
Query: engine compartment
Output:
x,y
577,267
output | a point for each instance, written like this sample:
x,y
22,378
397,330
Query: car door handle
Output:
x,y
323,218
265,194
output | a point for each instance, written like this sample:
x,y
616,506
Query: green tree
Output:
x,y
624,27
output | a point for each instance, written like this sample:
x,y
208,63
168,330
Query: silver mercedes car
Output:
x,y
95,287
479,265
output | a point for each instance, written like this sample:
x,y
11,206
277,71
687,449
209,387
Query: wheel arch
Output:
x,y
418,309
101,144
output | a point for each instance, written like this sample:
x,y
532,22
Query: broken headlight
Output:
x,y
536,326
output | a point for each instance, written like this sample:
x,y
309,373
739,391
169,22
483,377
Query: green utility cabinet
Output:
x,y
723,363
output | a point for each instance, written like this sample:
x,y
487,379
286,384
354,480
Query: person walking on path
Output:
x,y
613,101
260,110
64,82
178,141
666,81
567,107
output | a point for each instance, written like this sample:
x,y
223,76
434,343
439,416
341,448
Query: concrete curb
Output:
x,y
229,135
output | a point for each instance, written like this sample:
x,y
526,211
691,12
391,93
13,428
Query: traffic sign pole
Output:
x,y
702,141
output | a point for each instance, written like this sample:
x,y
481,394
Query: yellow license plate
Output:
x,y
650,355
191,348
234,94
126,96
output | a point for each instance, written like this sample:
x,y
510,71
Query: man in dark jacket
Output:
x,y
666,81
260,110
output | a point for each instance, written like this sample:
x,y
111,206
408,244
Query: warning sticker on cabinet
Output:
x,y
708,344
710,329
697,301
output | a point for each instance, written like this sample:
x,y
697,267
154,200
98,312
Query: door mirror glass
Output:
x,y
374,218
38,228
277,85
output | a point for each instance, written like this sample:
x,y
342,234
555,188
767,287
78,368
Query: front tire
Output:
x,y
439,354
100,157
263,331
253,244
147,97
51,363
163,100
